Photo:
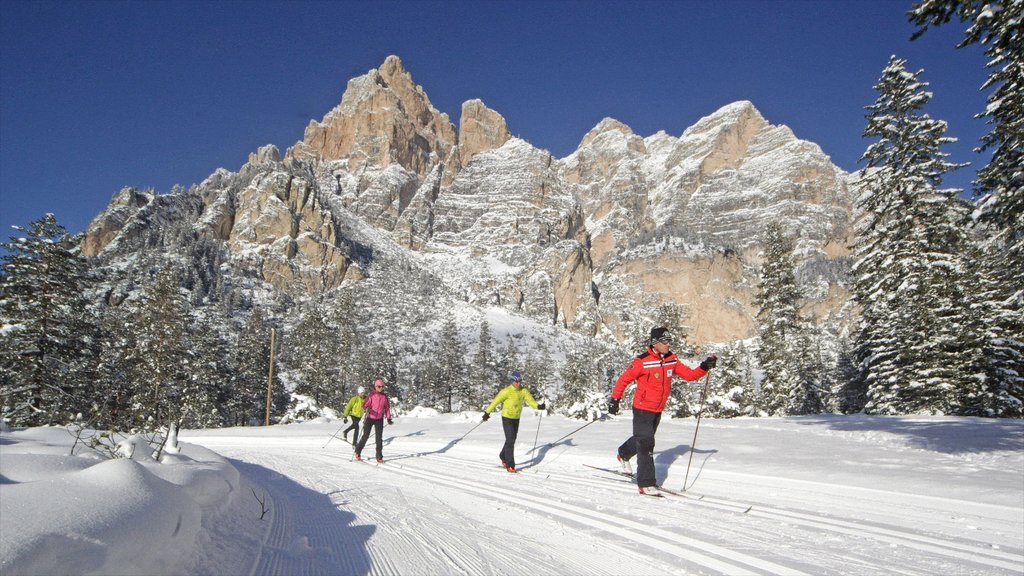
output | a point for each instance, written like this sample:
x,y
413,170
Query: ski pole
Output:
x,y
535,436
693,445
333,436
470,430
553,442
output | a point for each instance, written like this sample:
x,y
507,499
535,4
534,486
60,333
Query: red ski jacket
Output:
x,y
653,375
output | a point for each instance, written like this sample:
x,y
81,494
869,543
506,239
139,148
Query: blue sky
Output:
x,y
97,95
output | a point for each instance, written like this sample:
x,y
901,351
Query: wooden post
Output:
x,y
270,377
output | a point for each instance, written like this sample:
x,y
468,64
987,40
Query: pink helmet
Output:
x,y
378,383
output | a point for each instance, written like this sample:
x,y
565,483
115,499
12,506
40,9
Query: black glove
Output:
x,y
344,419
613,406
542,406
390,422
709,363
486,416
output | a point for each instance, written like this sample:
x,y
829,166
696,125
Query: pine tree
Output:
x,y
780,323
508,362
850,393
917,339
248,396
581,397
312,350
49,340
447,385
206,388
999,188
730,385
539,375
116,369
807,396
161,328
353,369
483,370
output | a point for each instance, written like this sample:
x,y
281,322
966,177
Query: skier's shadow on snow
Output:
x,y
441,450
388,440
542,451
665,459
308,533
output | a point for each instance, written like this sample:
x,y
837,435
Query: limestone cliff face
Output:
x,y
280,218
595,241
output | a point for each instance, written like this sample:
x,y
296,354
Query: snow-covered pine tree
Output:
x,y
247,402
204,389
850,395
999,188
809,392
539,375
446,383
731,384
47,335
916,345
312,351
353,369
779,323
161,326
483,370
580,396
508,361
115,369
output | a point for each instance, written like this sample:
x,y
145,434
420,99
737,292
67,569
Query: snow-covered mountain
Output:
x,y
385,186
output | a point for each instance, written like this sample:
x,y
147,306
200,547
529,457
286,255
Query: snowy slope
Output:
x,y
828,495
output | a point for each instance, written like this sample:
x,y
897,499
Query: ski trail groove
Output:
x,y
689,550
972,554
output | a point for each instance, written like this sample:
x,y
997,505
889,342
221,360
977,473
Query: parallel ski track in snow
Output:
x,y
1011,561
687,550
742,548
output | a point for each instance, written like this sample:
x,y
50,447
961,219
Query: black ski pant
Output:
x,y
353,426
378,427
511,427
641,445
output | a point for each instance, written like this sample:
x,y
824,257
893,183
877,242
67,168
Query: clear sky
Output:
x,y
97,95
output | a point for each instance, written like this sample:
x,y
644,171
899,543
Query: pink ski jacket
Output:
x,y
377,406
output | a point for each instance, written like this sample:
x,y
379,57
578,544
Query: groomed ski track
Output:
x,y
452,510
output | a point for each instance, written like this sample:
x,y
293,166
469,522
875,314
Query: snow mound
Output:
x,y
121,516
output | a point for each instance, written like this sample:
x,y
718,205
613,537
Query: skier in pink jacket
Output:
x,y
378,409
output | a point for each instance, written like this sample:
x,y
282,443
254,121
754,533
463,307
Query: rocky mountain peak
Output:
x,y
604,126
383,118
480,129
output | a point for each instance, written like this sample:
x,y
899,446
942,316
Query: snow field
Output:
x,y
809,495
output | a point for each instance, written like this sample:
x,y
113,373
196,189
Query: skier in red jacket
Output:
x,y
652,371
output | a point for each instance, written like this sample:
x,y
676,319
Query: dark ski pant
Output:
x,y
378,427
353,426
511,427
641,445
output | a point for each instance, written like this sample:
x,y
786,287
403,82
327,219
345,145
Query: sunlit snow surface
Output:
x,y
826,495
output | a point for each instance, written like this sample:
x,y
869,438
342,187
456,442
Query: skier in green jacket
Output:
x,y
354,409
511,398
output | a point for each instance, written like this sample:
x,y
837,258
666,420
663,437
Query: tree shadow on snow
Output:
x,y
309,534
937,434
